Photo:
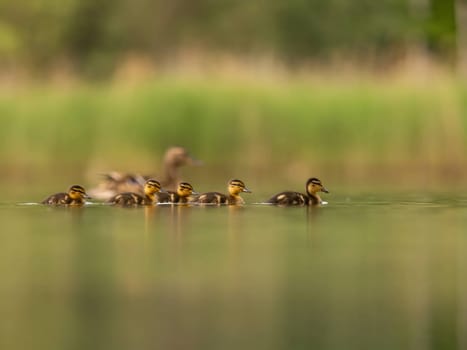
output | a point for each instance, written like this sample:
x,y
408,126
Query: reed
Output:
x,y
352,129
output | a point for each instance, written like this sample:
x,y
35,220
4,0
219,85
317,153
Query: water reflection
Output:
x,y
353,276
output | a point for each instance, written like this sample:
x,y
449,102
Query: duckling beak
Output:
x,y
163,191
246,190
325,190
194,193
87,196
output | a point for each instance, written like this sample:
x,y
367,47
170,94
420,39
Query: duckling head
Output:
x,y
184,189
237,186
151,187
77,192
314,186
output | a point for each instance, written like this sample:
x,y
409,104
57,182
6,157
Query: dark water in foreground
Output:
x,y
359,273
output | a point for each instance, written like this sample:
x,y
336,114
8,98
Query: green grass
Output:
x,y
348,130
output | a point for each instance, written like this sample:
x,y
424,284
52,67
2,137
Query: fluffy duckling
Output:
x,y
235,187
313,186
182,195
116,182
151,189
76,195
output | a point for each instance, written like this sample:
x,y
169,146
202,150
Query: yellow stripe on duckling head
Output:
x,y
185,189
77,192
236,186
314,185
152,186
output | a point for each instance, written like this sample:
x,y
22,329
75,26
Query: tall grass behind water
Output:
x,y
352,131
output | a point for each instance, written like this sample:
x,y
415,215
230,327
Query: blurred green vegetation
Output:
x,y
90,86
93,36
356,131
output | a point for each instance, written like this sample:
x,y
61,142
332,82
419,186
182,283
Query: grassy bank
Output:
x,y
353,131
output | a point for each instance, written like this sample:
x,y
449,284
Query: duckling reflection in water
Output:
x,y
151,190
235,187
76,195
117,182
182,195
313,186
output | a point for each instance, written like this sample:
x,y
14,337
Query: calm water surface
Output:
x,y
359,273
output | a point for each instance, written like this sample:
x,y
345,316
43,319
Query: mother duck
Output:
x,y
117,182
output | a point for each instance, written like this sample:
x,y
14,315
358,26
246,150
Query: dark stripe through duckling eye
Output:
x,y
153,183
238,183
185,186
315,181
77,189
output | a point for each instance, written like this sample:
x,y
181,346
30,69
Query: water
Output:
x,y
363,272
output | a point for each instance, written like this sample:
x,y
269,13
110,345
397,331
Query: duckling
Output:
x,y
151,189
235,187
76,195
184,191
313,186
116,182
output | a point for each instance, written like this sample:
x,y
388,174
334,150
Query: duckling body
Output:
x,y
182,195
219,198
116,182
313,186
129,199
76,195
235,187
151,189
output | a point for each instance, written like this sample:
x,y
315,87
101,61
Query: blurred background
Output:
x,y
359,93
368,95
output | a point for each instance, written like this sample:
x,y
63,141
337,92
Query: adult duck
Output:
x,y
117,182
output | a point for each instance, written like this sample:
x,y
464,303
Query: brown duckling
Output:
x,y
182,195
151,189
235,187
76,195
116,182
313,186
